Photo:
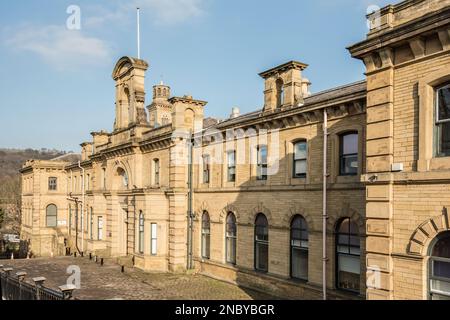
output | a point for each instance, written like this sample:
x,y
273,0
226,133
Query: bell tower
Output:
x,y
129,75
160,111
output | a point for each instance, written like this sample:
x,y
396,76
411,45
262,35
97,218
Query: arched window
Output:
x,y
141,232
300,159
348,256
51,216
230,239
348,154
280,92
439,268
156,172
123,176
261,243
299,248
206,233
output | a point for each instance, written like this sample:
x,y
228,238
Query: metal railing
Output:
x,y
15,288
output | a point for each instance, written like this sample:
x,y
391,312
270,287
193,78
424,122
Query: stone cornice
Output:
x,y
286,66
401,33
187,100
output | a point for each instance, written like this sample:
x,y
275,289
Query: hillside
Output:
x,y
11,160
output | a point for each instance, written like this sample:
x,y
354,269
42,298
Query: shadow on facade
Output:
x,y
264,256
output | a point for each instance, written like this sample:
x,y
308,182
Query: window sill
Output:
x,y
434,164
347,178
298,181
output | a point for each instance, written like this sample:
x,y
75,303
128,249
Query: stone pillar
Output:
x,y
178,206
379,155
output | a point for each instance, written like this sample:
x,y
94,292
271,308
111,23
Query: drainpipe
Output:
x,y
324,206
82,208
190,263
71,198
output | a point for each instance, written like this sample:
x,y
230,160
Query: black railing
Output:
x,y
15,288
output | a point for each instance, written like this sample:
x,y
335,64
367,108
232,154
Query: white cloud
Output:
x,y
60,47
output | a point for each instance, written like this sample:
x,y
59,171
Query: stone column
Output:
x,y
177,195
379,155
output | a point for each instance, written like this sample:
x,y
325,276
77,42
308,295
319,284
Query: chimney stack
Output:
x,y
235,113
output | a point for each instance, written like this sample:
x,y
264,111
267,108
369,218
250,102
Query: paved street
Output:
x,y
107,282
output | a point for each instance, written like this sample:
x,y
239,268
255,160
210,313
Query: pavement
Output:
x,y
107,282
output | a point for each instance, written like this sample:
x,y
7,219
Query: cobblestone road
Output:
x,y
108,282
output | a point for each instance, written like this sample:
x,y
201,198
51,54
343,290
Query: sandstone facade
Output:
x,y
134,193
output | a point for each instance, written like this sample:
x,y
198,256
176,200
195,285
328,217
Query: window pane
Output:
x,y
441,269
231,250
300,167
443,97
348,272
262,256
350,143
349,164
435,296
51,221
205,246
262,155
443,137
231,159
154,236
100,228
440,286
442,247
300,151
299,264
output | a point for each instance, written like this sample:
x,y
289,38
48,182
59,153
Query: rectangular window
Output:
x,y
103,178
52,184
91,227
348,154
154,239
300,159
70,218
100,228
206,168
261,170
442,128
156,171
141,232
231,163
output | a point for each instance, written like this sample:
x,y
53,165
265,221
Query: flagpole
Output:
x,y
138,33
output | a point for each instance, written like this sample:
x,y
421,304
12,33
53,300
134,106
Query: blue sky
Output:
x,y
56,84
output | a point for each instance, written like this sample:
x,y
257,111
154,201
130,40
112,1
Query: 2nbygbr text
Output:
x,y
223,309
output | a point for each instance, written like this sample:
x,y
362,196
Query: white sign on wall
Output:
x,y
62,223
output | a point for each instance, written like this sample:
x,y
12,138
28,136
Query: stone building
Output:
x,y
242,199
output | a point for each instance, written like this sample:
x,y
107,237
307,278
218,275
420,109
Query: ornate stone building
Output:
x,y
242,199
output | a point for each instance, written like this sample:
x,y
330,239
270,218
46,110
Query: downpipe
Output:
x,y
190,262
324,206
